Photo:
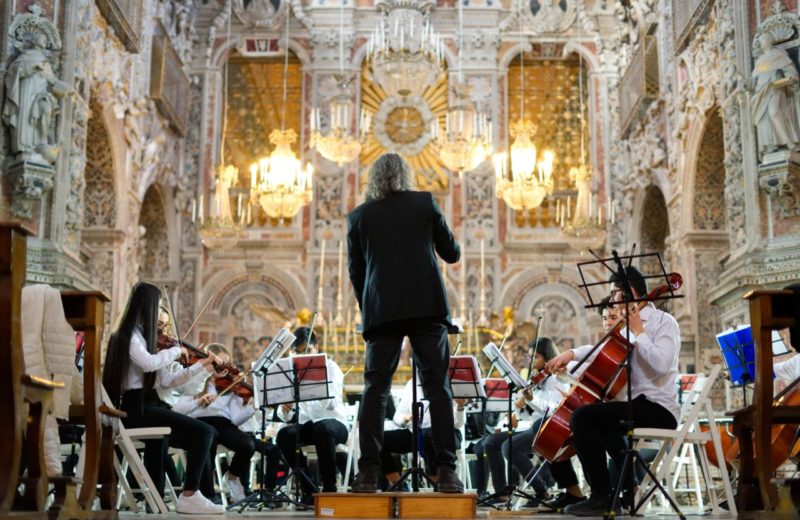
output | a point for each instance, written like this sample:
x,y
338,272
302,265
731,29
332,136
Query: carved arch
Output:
x,y
154,245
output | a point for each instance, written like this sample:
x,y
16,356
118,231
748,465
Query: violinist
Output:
x,y
193,386
133,372
225,413
599,428
529,408
322,423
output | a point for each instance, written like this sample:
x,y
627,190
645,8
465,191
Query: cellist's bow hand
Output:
x,y
634,319
559,363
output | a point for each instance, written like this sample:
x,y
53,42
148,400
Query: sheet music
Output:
x,y
275,350
465,378
503,366
312,371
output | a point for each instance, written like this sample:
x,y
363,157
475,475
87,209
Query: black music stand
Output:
x,y
514,381
631,456
274,351
305,380
417,411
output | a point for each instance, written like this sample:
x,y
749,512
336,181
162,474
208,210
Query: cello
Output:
x,y
602,379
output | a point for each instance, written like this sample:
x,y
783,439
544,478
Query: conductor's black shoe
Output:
x,y
365,482
595,505
448,481
563,500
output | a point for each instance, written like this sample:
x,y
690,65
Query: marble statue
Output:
x,y
30,104
582,178
776,100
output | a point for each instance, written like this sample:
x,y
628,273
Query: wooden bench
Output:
x,y
18,389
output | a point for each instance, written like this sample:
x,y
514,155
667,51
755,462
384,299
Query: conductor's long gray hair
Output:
x,y
389,174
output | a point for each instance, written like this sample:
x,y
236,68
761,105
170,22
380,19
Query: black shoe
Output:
x,y
365,482
448,481
307,500
593,506
563,500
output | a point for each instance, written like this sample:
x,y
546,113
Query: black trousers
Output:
x,y
597,429
196,438
400,441
324,435
432,358
518,452
241,443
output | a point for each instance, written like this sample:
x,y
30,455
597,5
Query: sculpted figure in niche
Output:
x,y
31,91
775,101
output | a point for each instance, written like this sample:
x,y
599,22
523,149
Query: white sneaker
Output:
x,y
197,504
235,488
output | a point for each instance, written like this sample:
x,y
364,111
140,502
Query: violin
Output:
x,y
229,384
195,354
602,379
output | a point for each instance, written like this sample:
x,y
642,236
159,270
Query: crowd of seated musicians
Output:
x,y
156,390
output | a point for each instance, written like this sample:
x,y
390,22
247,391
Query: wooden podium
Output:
x,y
769,310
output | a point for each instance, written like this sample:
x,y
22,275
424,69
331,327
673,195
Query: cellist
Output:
x,y
599,428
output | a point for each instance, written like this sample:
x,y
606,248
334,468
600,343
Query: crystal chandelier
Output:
x,y
526,189
530,181
279,183
467,139
405,52
338,144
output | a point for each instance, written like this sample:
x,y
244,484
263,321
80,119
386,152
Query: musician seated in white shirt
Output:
x,y
599,428
399,440
322,423
225,413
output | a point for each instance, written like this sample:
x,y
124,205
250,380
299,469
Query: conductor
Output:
x,y
391,241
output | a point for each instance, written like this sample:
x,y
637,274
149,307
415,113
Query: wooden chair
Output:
x,y
17,388
84,312
769,310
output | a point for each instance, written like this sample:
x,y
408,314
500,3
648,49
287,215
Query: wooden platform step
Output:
x,y
395,505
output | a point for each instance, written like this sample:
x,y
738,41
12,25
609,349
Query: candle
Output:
x,y
201,209
463,305
239,207
341,262
569,210
483,265
321,275
599,215
194,209
613,211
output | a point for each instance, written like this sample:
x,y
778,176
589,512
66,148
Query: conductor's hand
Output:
x,y
206,399
559,363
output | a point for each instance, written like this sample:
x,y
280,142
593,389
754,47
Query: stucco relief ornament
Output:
x,y
776,93
268,13
541,16
32,88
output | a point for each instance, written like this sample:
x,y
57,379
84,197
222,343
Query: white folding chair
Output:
x,y
130,459
688,432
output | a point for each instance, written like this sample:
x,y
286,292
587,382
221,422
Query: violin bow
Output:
x,y
311,329
535,344
458,347
172,312
199,315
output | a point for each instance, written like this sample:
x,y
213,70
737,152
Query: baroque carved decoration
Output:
x,y
154,243
100,204
540,16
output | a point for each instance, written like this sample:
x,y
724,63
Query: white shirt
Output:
x,y
229,406
322,409
545,399
143,362
655,359
403,409
193,386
